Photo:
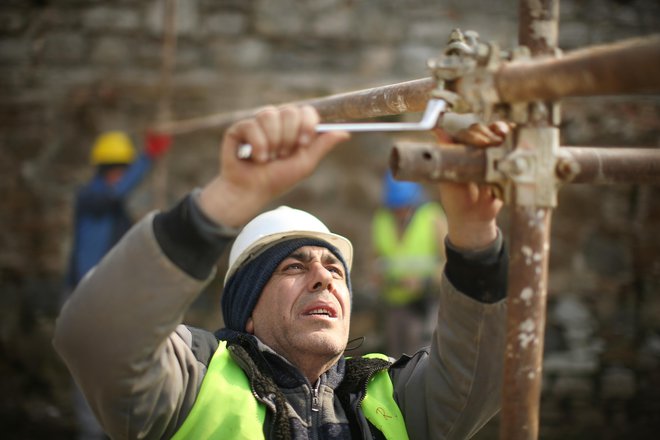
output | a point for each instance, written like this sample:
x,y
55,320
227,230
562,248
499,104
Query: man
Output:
x,y
100,216
277,370
408,233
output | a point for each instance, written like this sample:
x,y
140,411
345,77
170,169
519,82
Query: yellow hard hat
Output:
x,y
113,147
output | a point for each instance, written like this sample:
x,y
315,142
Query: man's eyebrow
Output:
x,y
306,256
300,256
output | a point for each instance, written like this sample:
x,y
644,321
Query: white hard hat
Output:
x,y
283,223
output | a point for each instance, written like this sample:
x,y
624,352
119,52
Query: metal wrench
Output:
x,y
432,114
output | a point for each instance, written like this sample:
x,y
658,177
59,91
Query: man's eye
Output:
x,y
336,271
293,266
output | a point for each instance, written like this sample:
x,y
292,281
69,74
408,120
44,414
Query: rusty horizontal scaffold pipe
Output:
x,y
429,162
629,66
614,68
609,165
394,99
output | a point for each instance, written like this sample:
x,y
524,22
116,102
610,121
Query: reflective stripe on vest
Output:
x,y
225,407
416,253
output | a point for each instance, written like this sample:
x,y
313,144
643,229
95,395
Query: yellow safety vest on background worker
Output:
x,y
416,254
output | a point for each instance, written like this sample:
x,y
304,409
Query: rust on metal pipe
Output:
x,y
530,246
526,302
615,68
609,165
419,161
538,25
393,99
629,66
431,162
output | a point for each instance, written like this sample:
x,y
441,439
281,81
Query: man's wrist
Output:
x,y
481,255
234,208
473,236
204,224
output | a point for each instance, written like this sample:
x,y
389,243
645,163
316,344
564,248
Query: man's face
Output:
x,y
304,309
113,174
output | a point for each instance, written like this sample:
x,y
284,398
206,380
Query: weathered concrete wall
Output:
x,y
70,69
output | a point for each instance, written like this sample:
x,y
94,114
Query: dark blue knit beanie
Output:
x,y
243,289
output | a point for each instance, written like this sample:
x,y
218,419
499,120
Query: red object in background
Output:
x,y
157,144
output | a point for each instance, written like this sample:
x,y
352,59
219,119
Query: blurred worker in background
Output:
x,y
408,234
101,218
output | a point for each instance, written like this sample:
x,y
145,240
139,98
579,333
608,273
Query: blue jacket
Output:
x,y
101,218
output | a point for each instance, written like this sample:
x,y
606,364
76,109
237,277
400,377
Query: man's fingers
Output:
x,y
247,131
491,137
309,119
501,128
443,136
290,118
481,135
278,133
474,137
271,126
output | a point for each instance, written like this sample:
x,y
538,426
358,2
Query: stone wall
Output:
x,y
70,69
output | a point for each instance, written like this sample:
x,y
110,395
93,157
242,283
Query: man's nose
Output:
x,y
321,277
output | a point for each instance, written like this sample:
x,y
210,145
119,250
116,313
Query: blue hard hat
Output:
x,y
397,194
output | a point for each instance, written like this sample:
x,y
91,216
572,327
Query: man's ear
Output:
x,y
249,326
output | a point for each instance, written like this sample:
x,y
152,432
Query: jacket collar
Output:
x,y
283,373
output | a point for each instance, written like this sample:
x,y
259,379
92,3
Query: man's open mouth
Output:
x,y
322,311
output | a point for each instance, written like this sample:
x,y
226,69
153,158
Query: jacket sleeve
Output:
x,y
134,174
450,390
120,334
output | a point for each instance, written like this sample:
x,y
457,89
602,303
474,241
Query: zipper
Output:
x,y
315,396
316,408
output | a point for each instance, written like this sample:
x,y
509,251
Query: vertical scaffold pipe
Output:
x,y
164,112
527,291
528,269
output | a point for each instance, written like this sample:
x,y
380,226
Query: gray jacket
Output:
x,y
121,337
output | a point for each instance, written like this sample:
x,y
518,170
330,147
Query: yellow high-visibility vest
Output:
x,y
415,254
225,407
